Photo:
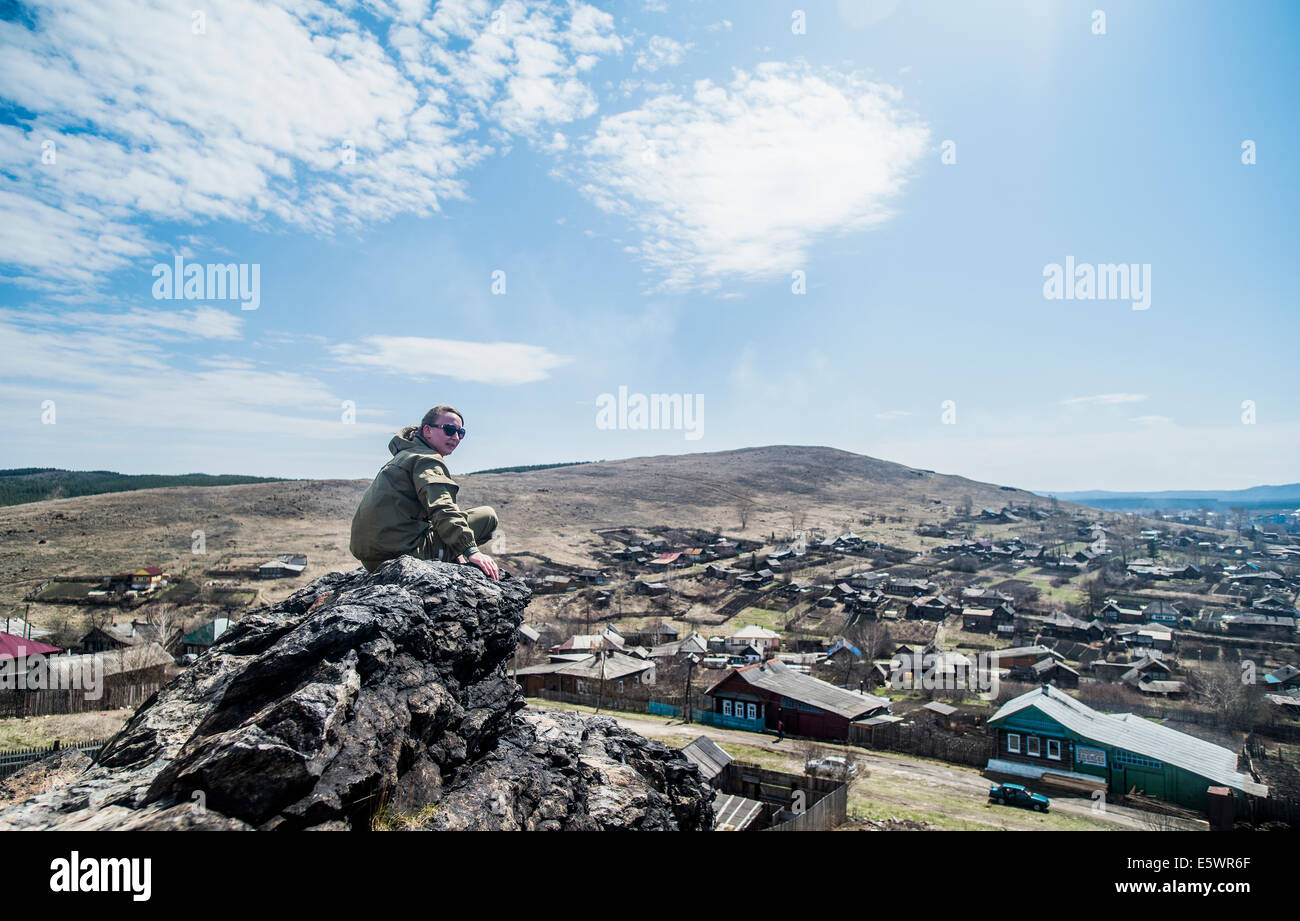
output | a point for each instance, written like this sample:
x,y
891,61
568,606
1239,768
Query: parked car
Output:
x,y
834,767
1012,794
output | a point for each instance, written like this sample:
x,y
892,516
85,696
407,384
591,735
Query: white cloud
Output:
x,y
661,51
1105,399
115,376
739,181
502,363
722,25
893,414
292,111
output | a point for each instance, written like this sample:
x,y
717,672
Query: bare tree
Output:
x,y
167,618
1230,691
745,509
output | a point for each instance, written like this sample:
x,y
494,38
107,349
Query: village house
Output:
x,y
1283,679
690,645
585,643
197,642
143,580
908,588
604,672
932,607
665,561
757,697
654,634
1262,625
1047,730
123,636
766,642
1020,656
284,566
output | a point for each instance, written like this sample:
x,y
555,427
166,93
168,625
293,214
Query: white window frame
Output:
x,y
1032,742
726,708
1013,737
751,711
1054,744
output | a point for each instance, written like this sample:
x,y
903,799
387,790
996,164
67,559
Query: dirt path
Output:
x,y
948,796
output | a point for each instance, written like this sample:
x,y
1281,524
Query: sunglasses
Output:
x,y
450,429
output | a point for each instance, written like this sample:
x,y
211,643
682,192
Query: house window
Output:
x,y
726,708
1054,749
1013,742
751,711
1031,746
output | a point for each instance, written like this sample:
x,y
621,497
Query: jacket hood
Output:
x,y
414,443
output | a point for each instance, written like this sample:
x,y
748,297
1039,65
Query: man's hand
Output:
x,y
485,563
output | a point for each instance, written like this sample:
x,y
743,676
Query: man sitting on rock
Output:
x,y
411,508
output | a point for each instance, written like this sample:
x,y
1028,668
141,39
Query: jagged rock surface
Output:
x,y
365,693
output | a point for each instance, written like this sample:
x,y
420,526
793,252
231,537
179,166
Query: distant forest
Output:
x,y
532,467
35,484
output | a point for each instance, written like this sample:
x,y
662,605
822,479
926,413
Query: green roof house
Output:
x,y
198,641
1048,731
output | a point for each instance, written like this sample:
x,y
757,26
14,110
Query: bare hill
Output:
x,y
552,512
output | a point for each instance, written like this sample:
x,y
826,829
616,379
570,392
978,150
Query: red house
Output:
x,y
759,696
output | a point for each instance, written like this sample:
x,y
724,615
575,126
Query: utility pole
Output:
x,y
686,704
600,694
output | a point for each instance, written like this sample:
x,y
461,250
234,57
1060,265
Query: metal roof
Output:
x,y
735,813
1134,734
753,631
942,709
706,755
776,677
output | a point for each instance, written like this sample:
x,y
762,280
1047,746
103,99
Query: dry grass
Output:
x,y
67,728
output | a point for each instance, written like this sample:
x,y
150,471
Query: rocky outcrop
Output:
x,y
372,699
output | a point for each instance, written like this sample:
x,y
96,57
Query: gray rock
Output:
x,y
372,693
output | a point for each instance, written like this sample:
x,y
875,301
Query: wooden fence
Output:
x,y
71,700
827,813
928,742
624,703
11,761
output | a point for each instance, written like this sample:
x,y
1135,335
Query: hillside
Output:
x,y
35,484
552,512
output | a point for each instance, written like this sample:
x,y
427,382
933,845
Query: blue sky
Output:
x,y
647,180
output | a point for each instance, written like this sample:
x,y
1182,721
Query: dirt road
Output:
x,y
892,785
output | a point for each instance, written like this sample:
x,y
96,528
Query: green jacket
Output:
x,y
412,495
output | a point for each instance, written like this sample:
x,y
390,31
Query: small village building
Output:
x,y
713,762
655,634
1021,656
765,641
690,645
607,672
197,642
1047,730
1055,672
15,652
1282,679
146,579
123,636
285,566
757,697
932,607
